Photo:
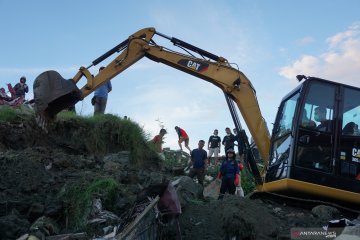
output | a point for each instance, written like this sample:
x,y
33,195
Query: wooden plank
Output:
x,y
129,228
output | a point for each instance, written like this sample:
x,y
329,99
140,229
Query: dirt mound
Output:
x,y
57,176
39,172
233,216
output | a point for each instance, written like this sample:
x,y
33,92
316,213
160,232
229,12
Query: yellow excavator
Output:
x,y
313,151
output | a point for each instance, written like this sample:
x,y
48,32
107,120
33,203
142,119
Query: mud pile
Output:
x,y
41,174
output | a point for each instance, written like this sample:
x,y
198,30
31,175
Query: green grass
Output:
x,y
103,134
16,114
68,114
247,181
8,114
175,159
79,197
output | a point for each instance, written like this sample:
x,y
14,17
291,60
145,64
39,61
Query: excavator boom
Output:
x,y
211,68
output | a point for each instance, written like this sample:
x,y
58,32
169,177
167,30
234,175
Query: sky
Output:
x,y
270,41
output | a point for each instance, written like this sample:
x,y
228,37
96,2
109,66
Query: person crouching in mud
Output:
x,y
229,174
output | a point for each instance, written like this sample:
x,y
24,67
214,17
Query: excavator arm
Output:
x,y
211,68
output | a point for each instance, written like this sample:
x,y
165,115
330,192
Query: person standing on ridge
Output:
x,y
214,146
158,140
183,137
100,96
228,140
21,88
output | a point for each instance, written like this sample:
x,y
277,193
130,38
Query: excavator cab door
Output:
x,y
348,151
282,139
303,141
315,145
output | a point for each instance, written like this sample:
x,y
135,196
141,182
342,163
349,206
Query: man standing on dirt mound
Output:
x,y
183,137
214,146
100,97
228,140
198,160
158,141
21,88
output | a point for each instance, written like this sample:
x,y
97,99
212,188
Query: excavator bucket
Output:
x,y
53,93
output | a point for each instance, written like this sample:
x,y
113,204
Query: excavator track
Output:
x,y
301,202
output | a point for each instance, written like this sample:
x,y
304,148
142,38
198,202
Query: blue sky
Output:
x,y
271,42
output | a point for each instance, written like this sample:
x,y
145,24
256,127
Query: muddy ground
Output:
x,y
36,168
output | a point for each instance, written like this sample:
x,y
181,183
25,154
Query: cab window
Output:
x,y
286,117
351,113
282,130
315,132
349,153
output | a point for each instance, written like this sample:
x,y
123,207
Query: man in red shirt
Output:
x,y
183,137
158,140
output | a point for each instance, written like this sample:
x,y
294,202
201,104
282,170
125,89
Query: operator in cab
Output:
x,y
320,116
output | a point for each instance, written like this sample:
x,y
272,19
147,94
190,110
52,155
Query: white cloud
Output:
x,y
341,37
306,64
341,62
306,40
187,107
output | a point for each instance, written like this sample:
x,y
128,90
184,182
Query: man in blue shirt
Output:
x,y
100,96
198,159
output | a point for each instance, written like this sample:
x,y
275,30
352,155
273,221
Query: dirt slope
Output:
x,y
36,169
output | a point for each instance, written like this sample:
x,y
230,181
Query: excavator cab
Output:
x,y
315,144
